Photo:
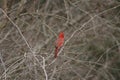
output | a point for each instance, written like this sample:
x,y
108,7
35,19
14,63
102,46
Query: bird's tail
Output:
x,y
56,52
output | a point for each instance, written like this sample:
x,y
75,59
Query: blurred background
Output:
x,y
29,28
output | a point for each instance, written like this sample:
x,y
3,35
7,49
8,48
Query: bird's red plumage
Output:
x,y
59,43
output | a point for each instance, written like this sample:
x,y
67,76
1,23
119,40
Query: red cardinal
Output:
x,y
59,43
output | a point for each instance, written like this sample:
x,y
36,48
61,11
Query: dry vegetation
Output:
x,y
29,28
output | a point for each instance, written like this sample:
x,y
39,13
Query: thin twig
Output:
x,y
4,67
17,27
6,35
46,76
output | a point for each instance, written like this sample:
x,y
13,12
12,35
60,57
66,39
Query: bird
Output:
x,y
59,43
